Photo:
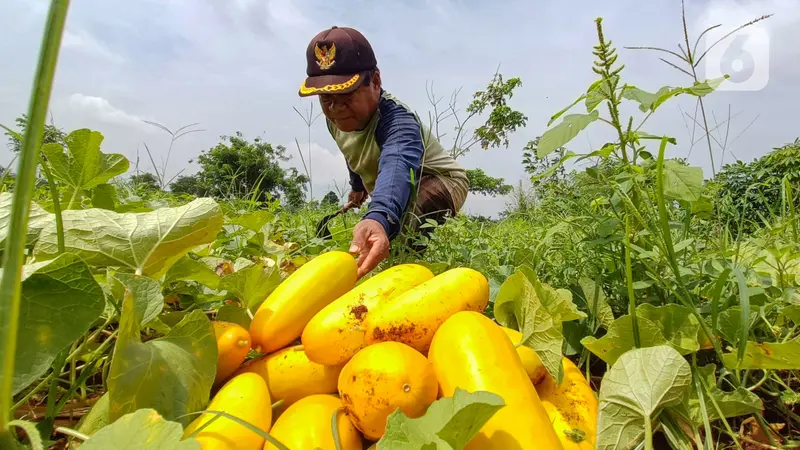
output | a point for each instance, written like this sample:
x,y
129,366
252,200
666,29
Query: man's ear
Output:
x,y
376,79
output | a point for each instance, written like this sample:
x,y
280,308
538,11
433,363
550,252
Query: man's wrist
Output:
x,y
380,218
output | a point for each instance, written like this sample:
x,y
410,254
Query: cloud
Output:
x,y
82,41
102,110
328,167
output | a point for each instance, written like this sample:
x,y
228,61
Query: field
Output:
x,y
672,291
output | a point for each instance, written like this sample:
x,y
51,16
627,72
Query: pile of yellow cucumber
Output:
x,y
400,339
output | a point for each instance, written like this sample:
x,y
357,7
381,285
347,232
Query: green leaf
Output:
x,y
605,316
679,327
682,182
732,404
255,220
31,432
640,383
558,302
172,374
619,338
704,88
561,113
649,101
96,418
252,284
599,90
103,197
554,167
146,295
518,306
144,429
449,424
767,355
564,132
728,323
792,312
60,301
234,314
189,269
38,218
151,242
82,166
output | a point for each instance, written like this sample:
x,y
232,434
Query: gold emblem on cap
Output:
x,y
325,56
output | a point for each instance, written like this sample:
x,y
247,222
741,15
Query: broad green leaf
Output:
x,y
144,429
792,312
649,101
554,167
732,404
728,323
605,316
679,327
640,383
558,302
600,90
564,132
146,295
38,218
31,432
652,137
103,196
704,88
682,182
172,374
82,165
188,269
518,306
252,284
449,423
561,113
255,220
150,242
619,338
60,302
767,355
96,418
234,314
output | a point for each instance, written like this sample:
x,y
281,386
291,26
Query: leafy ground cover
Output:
x,y
673,291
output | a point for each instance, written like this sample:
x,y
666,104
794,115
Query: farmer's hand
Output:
x,y
356,199
371,245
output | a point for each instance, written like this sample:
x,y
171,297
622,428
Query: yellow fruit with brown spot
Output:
x,y
306,425
233,343
245,396
472,353
382,378
282,316
530,360
337,332
413,317
290,375
572,407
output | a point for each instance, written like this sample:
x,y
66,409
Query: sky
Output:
x,y
236,65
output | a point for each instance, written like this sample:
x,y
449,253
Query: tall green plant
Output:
x,y
14,255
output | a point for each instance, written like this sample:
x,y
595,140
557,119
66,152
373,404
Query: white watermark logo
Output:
x,y
744,56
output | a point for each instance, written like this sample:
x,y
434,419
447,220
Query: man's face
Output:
x,y
353,111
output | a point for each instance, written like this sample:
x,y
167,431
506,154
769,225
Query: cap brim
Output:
x,y
331,84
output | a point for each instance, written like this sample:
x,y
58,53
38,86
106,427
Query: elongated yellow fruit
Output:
x,y
306,425
284,314
337,332
245,396
572,407
413,317
530,360
233,343
471,352
290,375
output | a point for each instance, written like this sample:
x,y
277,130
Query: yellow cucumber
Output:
x,y
572,407
245,396
233,343
337,332
471,352
413,317
530,360
282,316
306,425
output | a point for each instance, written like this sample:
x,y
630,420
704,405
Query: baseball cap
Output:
x,y
338,61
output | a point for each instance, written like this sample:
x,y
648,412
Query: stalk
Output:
x,y
14,255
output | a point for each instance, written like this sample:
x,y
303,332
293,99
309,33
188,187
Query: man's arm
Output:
x,y
356,184
400,139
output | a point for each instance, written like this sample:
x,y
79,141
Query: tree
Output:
x,y
480,183
51,135
187,184
145,180
237,167
330,199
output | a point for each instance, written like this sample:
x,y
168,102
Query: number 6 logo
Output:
x,y
744,56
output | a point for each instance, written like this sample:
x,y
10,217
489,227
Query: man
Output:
x,y
383,142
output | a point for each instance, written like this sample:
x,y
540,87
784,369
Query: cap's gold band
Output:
x,y
331,87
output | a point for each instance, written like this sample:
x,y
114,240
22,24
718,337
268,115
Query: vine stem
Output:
x,y
14,255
